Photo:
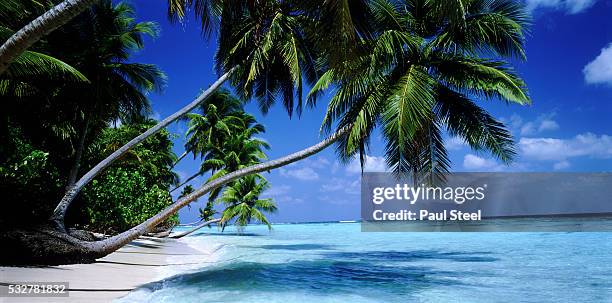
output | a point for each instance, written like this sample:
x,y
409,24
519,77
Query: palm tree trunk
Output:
x,y
60,210
74,171
186,181
39,27
209,222
179,159
109,245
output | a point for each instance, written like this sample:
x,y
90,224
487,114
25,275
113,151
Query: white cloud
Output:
x,y
455,143
553,149
277,190
281,194
542,123
335,167
548,125
599,71
561,165
155,116
304,173
570,6
306,169
528,128
474,162
319,162
337,184
288,200
372,164
540,126
337,201
515,121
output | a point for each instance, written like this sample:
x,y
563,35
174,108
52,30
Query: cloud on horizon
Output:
x,y
473,162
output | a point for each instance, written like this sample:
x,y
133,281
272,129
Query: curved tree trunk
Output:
x,y
76,165
209,222
109,245
179,159
60,210
185,182
39,27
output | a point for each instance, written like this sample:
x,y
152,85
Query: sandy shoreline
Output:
x,y
142,261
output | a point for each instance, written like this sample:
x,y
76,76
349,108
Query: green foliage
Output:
x,y
242,202
27,180
153,157
136,186
222,135
122,198
74,84
418,75
208,212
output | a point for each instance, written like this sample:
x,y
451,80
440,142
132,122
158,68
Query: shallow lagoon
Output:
x,y
336,262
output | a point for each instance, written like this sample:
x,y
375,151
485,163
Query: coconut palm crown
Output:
x,y
243,202
421,75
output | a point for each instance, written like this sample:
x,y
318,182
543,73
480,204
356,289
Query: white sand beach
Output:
x,y
143,261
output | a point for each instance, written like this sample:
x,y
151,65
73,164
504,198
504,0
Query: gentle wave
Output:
x,y
338,263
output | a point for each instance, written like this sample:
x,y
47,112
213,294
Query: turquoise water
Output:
x,y
338,263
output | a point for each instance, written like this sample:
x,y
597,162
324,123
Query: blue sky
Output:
x,y
567,128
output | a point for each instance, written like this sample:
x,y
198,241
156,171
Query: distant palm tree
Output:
x,y
222,136
425,51
243,203
218,117
266,48
236,150
418,76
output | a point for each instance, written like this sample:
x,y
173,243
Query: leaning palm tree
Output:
x,y
419,75
487,78
217,117
31,33
266,52
234,150
118,87
243,203
34,66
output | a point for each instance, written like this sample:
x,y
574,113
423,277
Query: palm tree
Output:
x,y
104,247
243,203
418,76
118,88
31,66
222,136
20,41
412,103
217,119
287,39
235,150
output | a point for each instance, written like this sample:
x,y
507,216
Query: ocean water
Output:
x,y
336,262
